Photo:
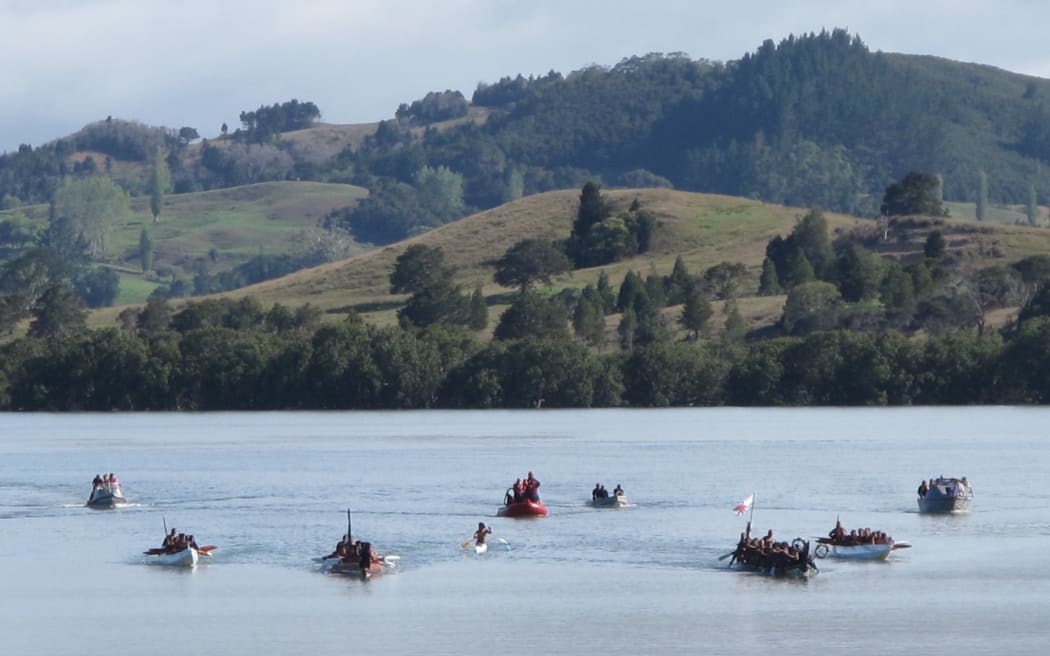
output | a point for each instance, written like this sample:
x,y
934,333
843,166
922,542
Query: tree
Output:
x,y
188,134
159,182
440,191
479,310
417,267
593,209
934,246
532,316
725,279
696,313
982,195
811,235
145,251
916,193
811,307
768,283
529,261
588,318
58,315
679,282
90,206
860,274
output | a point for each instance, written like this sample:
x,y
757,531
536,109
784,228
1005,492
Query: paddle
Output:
x,y
901,545
466,543
720,558
206,550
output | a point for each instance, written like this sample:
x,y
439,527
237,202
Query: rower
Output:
x,y
479,535
169,539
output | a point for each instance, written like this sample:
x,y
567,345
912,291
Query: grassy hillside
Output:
x,y
704,229
213,230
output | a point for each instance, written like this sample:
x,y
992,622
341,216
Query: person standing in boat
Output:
x,y
923,488
97,483
479,535
519,490
618,491
532,488
596,493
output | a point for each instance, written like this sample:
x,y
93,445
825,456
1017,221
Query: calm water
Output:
x,y
271,491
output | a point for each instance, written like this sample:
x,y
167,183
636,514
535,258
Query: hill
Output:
x,y
213,230
703,229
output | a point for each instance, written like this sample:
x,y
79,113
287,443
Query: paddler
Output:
x,y
479,535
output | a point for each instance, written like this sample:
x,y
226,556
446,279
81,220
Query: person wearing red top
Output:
x,y
532,488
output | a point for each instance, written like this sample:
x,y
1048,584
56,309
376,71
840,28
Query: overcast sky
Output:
x,y
66,63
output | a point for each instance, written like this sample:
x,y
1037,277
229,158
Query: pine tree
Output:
x,y
769,283
159,183
696,313
478,315
145,251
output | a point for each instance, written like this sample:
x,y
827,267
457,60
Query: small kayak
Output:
x,y
481,548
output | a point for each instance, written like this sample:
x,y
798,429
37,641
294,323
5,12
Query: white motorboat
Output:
x,y
946,495
614,501
108,496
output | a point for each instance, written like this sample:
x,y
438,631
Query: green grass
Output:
x,y
134,289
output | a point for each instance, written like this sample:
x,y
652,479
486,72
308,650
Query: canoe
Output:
x,y
481,548
946,495
186,558
101,498
523,509
353,570
609,502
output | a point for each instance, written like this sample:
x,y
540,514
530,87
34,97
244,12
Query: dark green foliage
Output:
x,y
769,282
434,107
479,311
529,261
605,291
97,287
663,374
417,267
916,193
145,251
811,307
534,316
679,283
860,274
803,256
588,317
598,237
696,313
934,246
57,315
266,122
725,280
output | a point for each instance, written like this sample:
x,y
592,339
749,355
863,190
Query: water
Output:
x,y
271,491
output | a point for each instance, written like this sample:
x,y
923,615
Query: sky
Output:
x,y
67,63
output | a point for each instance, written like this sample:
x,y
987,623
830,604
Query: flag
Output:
x,y
744,505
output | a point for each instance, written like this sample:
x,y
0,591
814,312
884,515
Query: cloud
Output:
x,y
201,63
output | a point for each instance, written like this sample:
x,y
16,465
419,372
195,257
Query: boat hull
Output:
x,y
353,570
521,509
481,548
101,499
609,502
799,573
861,551
186,558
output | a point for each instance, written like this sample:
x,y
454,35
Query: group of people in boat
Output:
x,y
175,542
840,537
349,550
599,491
107,482
767,555
952,486
527,489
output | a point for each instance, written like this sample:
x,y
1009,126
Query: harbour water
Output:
x,y
272,489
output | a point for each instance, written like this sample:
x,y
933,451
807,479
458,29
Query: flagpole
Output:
x,y
752,515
